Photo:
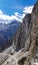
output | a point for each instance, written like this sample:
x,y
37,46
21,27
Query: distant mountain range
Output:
x,y
7,31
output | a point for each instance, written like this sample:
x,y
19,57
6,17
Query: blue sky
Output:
x,y
9,7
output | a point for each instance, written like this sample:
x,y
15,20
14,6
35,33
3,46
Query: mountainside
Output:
x,y
7,32
27,35
24,49
22,33
28,28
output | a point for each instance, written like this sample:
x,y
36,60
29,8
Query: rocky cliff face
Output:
x,y
22,33
27,31
27,35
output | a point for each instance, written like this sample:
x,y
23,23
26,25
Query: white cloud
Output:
x,y
28,9
20,16
1,12
23,16
17,16
16,13
9,18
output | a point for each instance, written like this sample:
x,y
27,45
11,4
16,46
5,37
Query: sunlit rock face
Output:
x,y
34,22
22,33
27,31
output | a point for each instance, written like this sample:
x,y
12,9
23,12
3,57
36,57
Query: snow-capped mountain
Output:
x,y
7,32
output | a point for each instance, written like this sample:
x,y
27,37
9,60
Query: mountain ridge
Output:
x,y
7,32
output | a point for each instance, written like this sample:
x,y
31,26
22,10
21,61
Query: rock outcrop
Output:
x,y
28,30
27,35
22,33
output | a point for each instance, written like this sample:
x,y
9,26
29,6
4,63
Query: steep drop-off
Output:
x,y
27,35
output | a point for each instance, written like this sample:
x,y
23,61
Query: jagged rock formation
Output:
x,y
25,42
27,30
22,33
34,34
27,35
